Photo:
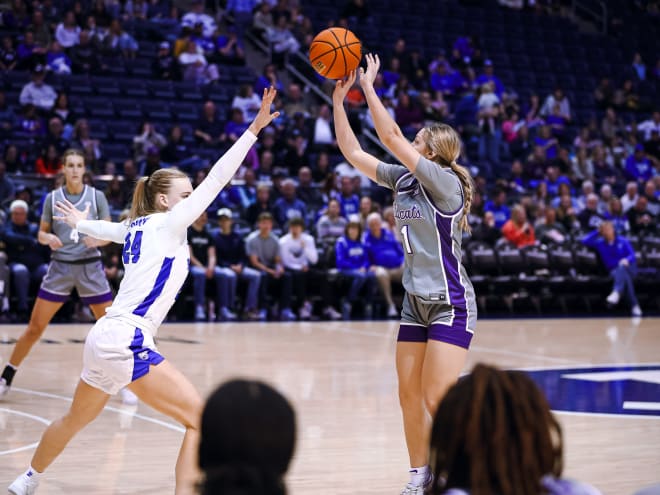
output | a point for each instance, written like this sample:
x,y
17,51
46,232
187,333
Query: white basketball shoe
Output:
x,y
24,485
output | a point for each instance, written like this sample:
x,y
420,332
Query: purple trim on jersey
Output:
x,y
428,196
159,285
98,299
450,262
49,296
143,357
412,333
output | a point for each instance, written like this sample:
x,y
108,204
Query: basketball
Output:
x,y
335,52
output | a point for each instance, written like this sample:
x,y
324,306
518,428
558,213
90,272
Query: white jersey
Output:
x,y
156,258
156,253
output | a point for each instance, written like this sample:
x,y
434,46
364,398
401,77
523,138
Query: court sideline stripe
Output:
x,y
25,415
388,333
109,408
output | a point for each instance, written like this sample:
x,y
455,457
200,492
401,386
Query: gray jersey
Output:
x,y
266,249
74,249
428,206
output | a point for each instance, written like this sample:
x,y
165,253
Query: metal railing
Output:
x,y
313,85
593,10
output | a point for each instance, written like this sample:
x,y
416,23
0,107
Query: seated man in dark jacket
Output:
x,y
230,252
27,260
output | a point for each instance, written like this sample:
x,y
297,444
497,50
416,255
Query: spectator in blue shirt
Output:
x,y
489,76
442,79
638,166
499,208
618,256
229,49
236,125
392,74
553,180
546,141
349,201
288,206
386,258
57,60
352,261
268,78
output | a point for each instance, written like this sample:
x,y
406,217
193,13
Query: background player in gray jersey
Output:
x,y
432,196
75,261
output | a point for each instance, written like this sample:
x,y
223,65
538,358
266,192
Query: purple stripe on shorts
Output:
x,y
101,298
49,296
412,333
455,333
143,357
450,263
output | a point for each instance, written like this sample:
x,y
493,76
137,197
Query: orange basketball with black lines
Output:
x,y
335,52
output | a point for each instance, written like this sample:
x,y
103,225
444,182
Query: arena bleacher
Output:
x,y
530,51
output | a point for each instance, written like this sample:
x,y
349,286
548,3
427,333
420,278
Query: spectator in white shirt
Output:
x,y
197,16
324,136
281,37
629,199
331,225
557,96
67,32
38,93
247,101
650,125
298,251
195,67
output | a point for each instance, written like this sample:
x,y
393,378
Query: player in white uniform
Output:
x,y
120,350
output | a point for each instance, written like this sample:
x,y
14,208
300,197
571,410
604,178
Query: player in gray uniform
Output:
x,y
75,261
432,198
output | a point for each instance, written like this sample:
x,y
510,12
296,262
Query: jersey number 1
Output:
x,y
131,253
406,239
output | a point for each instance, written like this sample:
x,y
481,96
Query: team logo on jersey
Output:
x,y
413,213
624,390
144,355
412,190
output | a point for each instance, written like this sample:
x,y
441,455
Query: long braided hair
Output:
x,y
445,146
494,433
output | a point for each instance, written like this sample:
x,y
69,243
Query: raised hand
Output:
x,y
264,117
367,77
342,87
70,214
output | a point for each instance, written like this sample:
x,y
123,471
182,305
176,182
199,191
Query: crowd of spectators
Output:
x,y
542,174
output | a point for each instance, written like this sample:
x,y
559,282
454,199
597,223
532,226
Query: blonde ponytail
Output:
x,y
468,190
445,146
146,189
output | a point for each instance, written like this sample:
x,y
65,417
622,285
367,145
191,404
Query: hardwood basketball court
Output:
x,y
341,378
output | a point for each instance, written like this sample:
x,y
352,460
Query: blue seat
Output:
x,y
122,130
129,109
134,88
157,111
184,112
162,89
103,110
116,152
105,86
